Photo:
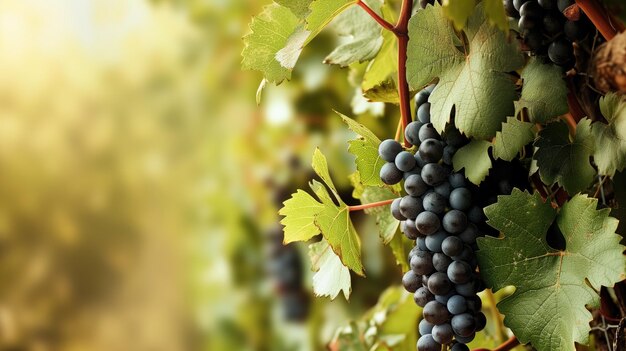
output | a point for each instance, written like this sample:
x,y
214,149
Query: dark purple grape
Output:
x,y
441,262
425,327
442,333
452,246
431,150
444,189
448,154
454,221
564,4
411,281
461,199
434,174
457,346
456,304
552,25
457,180
421,243
534,40
510,9
412,132
526,23
426,342
436,313
439,284
410,206
467,289
465,339
434,241
390,175
423,297
463,324
414,185
459,272
481,321
517,4
474,304
423,113
561,52
469,234
531,9
434,202
422,263
409,229
427,223
395,210
389,149
428,132
405,161
444,298
421,98
547,4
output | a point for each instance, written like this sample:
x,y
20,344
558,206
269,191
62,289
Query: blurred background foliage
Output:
x,y
138,179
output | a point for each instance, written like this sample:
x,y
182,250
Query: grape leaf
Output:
x,y
365,149
514,135
610,139
494,10
386,91
271,33
562,161
400,247
365,39
544,93
300,8
548,306
322,12
474,157
331,276
382,66
471,79
458,11
330,216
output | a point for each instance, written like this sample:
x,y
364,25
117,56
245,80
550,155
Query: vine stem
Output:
x,y
370,205
598,17
506,346
400,30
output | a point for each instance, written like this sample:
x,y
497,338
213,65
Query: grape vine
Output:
x,y
504,177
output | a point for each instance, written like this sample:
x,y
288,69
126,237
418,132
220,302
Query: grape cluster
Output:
x,y
545,29
439,213
285,268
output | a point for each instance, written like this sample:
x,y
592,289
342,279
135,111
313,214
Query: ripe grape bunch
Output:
x,y
438,213
545,28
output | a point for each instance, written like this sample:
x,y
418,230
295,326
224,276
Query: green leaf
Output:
x,y
365,39
494,10
382,66
458,11
514,136
322,12
610,139
471,80
544,93
565,162
400,247
275,29
474,157
320,166
300,212
386,91
548,307
387,224
331,276
365,149
300,8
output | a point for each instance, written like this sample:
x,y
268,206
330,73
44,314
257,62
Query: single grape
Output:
x,y
423,113
414,251
439,284
421,243
434,241
560,52
412,132
463,324
518,4
431,150
547,4
461,199
466,256
444,189
448,154
459,347
422,297
444,298
531,9
456,180
468,289
390,175
564,4
427,223
435,313
452,246
410,230
474,304
434,202
434,174
481,321
441,262
395,210
422,263
510,9
552,25
527,23
534,40
410,206
389,149
456,304
405,161
425,327
465,339
426,342
421,98
469,234
459,272
411,281
428,132
414,185
454,221
425,281
442,333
